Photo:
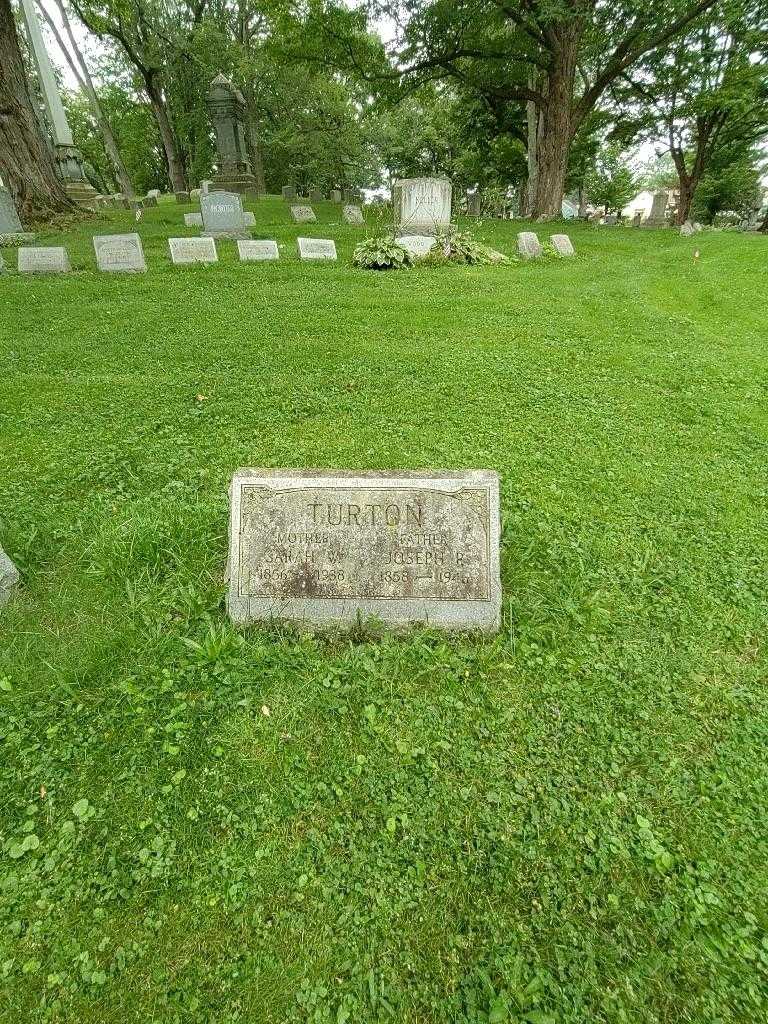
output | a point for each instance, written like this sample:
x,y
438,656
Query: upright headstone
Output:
x,y
336,196
417,245
528,245
658,214
182,197
353,215
562,245
10,225
422,206
316,195
257,251
473,204
637,220
289,191
9,577
49,259
119,253
303,215
149,201
154,193
205,186
329,547
222,214
249,219
610,219
317,248
193,220
192,250
226,107
195,194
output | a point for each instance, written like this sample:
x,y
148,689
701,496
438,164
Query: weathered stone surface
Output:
x,y
119,253
154,193
325,547
9,217
193,250
687,229
353,215
258,250
182,197
416,245
528,245
222,214
249,219
303,215
150,201
610,219
473,204
562,245
289,191
658,215
195,194
316,195
193,220
49,259
336,195
422,206
9,577
317,248
2,263
227,109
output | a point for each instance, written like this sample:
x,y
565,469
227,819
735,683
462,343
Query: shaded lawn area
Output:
x,y
563,823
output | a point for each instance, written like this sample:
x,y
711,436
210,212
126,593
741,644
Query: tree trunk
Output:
x,y
532,119
160,110
26,163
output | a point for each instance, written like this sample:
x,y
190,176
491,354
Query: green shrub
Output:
x,y
381,253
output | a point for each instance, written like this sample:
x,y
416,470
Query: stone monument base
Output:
x,y
240,183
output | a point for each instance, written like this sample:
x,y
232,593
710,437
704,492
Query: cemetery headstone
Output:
x,y
316,195
687,229
182,197
610,219
336,195
9,577
562,245
119,253
154,193
257,250
222,214
227,110
528,245
637,220
49,259
326,547
289,191
150,201
249,219
194,195
205,187
422,206
658,215
2,264
192,250
353,215
303,215
193,220
10,226
473,204
417,245
317,248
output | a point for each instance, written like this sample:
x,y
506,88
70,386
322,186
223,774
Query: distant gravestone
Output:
x,y
2,264
687,229
150,201
353,215
205,187
222,214
528,245
49,259
192,250
562,245
336,196
473,204
289,191
417,245
182,197
637,220
10,225
154,193
303,215
193,220
328,547
317,248
119,253
249,219
658,215
422,206
316,195
9,578
258,250
194,195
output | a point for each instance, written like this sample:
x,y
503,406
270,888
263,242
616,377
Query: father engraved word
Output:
x,y
324,546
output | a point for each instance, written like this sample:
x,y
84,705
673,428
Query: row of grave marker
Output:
x,y
301,215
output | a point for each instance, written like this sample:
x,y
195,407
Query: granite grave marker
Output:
x,y
317,248
119,253
353,215
257,250
528,245
222,214
562,245
49,259
193,250
422,206
303,215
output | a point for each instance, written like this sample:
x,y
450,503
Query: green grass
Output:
x,y
562,823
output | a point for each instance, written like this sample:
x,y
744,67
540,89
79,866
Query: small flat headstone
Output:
x,y
352,215
49,259
327,547
562,245
417,245
192,250
257,250
611,219
182,197
193,220
317,248
2,263
154,193
528,245
303,215
119,253
9,577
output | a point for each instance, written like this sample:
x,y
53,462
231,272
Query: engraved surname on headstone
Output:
x,y
193,220
49,259
119,253
324,547
317,248
222,214
257,250
303,215
353,214
422,206
193,250
528,245
562,245
416,245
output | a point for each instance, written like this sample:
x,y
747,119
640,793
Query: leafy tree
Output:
x,y
610,182
734,186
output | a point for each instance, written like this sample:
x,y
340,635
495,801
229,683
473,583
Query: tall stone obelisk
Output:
x,y
69,160
226,107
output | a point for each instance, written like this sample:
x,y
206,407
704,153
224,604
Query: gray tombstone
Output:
x,y
289,191
49,259
353,215
528,245
182,197
257,251
11,231
417,245
192,250
9,578
119,253
687,229
658,214
610,219
637,220
316,195
325,547
205,187
222,214
562,245
316,248
473,204
422,206
2,264
193,220
195,194
154,193
249,219
303,215
336,196
227,110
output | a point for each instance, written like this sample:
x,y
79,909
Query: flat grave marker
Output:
x,y
48,259
193,220
192,250
257,250
417,245
303,215
9,577
316,248
331,547
119,253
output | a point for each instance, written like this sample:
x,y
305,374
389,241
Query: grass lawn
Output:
x,y
563,823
